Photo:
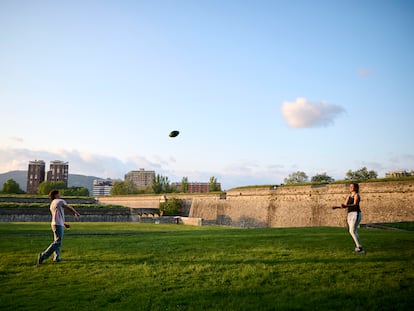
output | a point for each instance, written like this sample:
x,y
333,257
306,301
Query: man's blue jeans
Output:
x,y
54,247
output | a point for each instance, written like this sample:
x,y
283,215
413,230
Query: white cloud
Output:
x,y
102,166
365,72
247,173
79,162
303,113
16,139
236,174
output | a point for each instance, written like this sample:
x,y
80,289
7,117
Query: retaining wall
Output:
x,y
287,206
302,206
153,201
290,206
87,215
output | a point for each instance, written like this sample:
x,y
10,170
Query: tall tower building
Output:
x,y
35,175
141,178
58,171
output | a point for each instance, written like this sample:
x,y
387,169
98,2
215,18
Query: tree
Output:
x,y
214,186
47,186
167,185
361,174
12,187
184,184
76,191
297,177
171,206
161,184
123,187
322,178
157,184
144,189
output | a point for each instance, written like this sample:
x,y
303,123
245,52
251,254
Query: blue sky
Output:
x,y
258,89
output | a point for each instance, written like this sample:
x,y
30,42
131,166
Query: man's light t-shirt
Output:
x,y
57,211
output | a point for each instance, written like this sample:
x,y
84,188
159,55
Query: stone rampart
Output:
x,y
87,215
153,201
286,206
302,206
15,199
289,206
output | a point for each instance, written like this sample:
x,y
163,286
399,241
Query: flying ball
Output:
x,y
174,133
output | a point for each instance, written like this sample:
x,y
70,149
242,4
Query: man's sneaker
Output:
x,y
39,259
359,250
57,260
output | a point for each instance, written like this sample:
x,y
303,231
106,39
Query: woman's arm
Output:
x,y
347,200
356,201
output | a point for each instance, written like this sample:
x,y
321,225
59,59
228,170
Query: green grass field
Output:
x,y
130,266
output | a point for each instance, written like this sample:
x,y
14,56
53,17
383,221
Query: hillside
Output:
x,y
75,180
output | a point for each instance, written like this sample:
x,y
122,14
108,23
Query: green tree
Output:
x,y
167,185
184,184
144,189
171,206
361,174
161,184
76,191
322,178
123,188
157,184
47,186
296,177
12,187
214,186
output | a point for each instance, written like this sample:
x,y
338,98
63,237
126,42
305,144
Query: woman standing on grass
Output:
x,y
354,215
58,224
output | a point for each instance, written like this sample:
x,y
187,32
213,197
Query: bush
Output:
x,y
172,206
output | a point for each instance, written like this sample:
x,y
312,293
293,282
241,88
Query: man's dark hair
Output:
x,y
53,193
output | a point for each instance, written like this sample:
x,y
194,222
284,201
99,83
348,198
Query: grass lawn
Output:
x,y
130,266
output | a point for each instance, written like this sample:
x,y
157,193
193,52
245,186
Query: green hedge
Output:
x,y
46,205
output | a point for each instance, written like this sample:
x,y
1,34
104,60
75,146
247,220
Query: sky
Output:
x,y
258,89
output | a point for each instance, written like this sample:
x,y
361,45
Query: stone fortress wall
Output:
x,y
254,207
289,206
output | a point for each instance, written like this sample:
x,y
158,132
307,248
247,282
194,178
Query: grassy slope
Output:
x,y
174,267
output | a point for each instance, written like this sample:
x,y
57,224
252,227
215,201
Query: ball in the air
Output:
x,y
174,133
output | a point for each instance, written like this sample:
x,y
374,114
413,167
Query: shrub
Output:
x,y
171,206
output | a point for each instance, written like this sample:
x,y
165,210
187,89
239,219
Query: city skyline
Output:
x,y
23,181
257,89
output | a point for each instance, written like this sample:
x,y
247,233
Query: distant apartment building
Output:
x,y
35,175
141,178
102,187
399,173
58,171
195,187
